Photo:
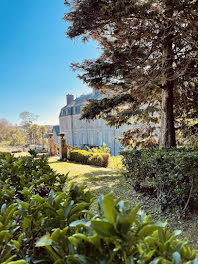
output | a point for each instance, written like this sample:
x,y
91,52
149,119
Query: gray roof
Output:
x,y
56,129
79,101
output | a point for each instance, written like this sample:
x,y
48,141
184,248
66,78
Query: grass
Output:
x,y
20,154
9,149
5,149
103,180
98,180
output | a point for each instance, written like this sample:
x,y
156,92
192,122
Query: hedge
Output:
x,y
90,158
81,156
170,175
58,227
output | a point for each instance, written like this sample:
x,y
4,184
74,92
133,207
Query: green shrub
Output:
x,y
115,163
105,161
39,216
9,241
171,175
95,159
90,158
19,174
101,149
117,234
99,159
33,203
80,156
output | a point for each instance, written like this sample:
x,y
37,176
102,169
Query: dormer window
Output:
x,y
77,110
69,111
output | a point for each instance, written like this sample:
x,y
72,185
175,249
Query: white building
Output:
x,y
79,133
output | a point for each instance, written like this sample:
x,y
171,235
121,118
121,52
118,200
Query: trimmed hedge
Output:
x,y
171,175
81,156
58,227
90,158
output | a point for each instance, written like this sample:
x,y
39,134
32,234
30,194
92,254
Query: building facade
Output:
x,y
81,133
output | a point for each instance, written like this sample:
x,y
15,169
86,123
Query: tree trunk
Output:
x,y
167,138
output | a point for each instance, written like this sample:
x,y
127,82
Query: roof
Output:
x,y
56,129
79,101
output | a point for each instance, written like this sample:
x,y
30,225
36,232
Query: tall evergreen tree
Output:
x,y
149,57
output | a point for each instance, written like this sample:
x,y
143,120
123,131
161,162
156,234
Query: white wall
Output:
x,y
94,132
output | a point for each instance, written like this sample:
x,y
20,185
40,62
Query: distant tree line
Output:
x,y
27,133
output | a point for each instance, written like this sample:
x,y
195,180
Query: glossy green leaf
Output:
x,y
73,240
56,234
44,241
108,208
16,262
131,260
176,258
26,222
133,214
100,199
16,244
3,208
80,223
79,207
155,261
103,228
195,261
79,259
146,230
68,209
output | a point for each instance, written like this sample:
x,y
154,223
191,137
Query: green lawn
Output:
x,y
98,180
5,149
102,180
9,149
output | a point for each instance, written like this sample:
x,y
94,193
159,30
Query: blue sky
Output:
x,y
35,58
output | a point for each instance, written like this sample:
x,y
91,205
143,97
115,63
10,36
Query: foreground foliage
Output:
x,y
41,222
168,174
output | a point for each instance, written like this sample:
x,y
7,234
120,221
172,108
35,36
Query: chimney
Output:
x,y
69,99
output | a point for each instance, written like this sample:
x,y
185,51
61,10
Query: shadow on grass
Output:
x,y
103,182
77,163
98,176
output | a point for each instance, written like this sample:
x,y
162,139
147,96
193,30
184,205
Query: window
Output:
x,y
100,139
69,111
107,138
99,122
75,139
67,123
68,139
63,113
77,110
84,141
91,123
75,123
91,139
